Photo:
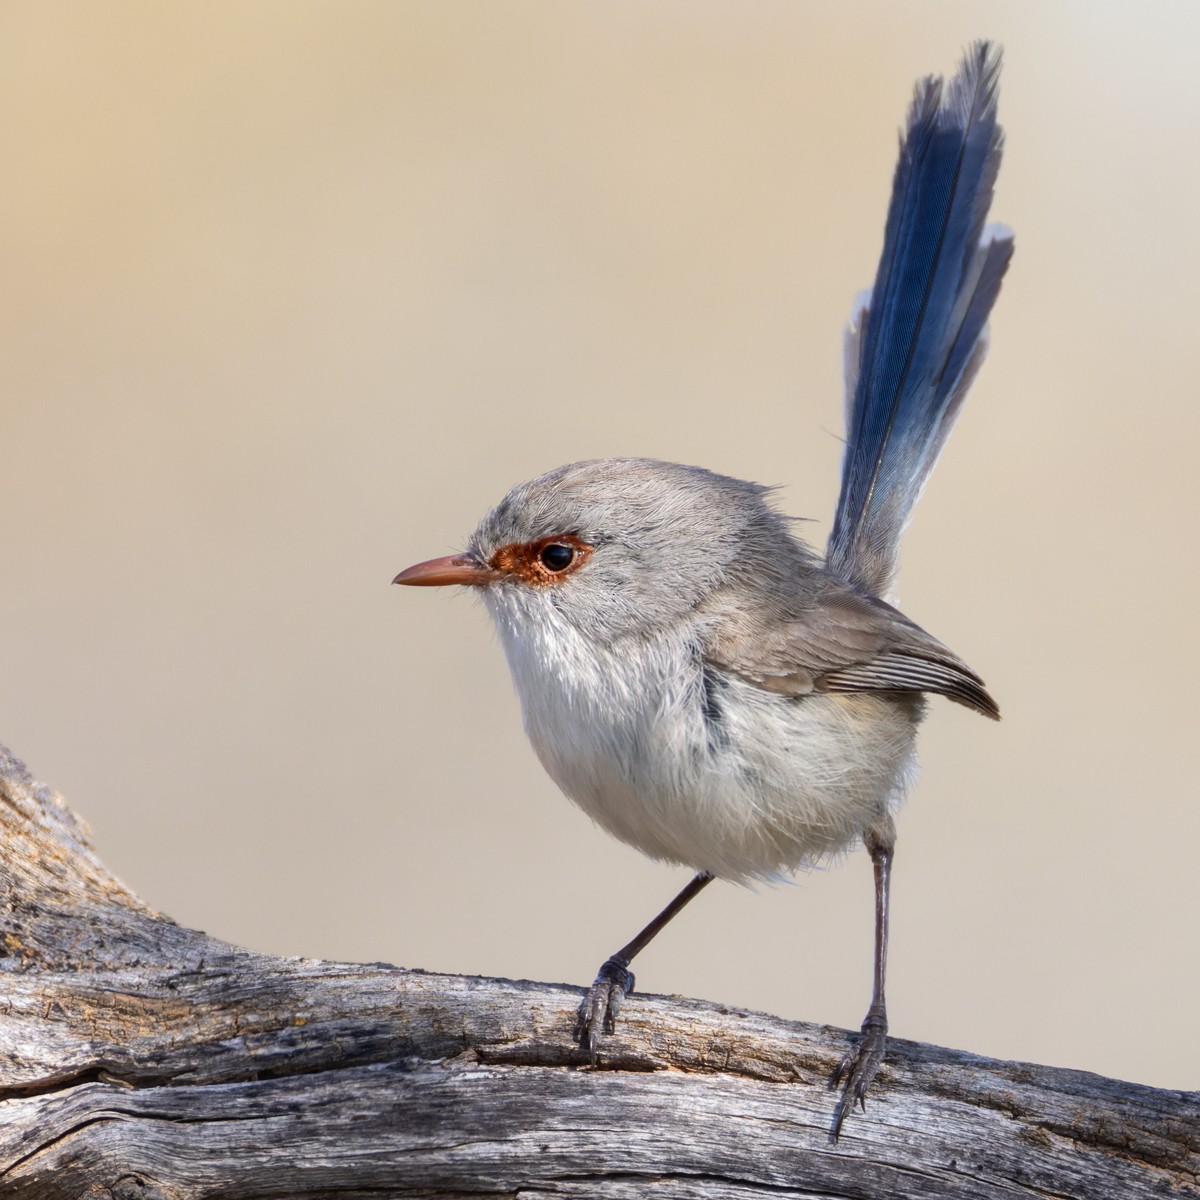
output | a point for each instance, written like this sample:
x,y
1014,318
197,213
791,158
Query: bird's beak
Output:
x,y
440,572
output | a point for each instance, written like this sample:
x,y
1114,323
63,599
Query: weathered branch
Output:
x,y
140,1059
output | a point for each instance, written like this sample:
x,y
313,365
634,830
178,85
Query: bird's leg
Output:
x,y
862,1061
614,981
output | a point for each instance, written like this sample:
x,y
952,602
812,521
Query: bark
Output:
x,y
141,1060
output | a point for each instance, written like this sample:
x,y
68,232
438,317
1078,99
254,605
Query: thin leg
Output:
x,y
614,981
861,1063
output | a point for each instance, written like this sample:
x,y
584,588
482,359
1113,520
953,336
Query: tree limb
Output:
x,y
142,1060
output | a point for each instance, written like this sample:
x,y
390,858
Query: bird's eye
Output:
x,y
557,557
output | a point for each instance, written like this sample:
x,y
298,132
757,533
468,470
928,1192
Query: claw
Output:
x,y
859,1068
598,1012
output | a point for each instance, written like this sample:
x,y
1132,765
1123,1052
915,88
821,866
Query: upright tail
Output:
x,y
916,340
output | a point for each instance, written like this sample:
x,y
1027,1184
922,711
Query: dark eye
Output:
x,y
557,557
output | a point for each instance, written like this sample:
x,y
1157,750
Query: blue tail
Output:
x,y
915,344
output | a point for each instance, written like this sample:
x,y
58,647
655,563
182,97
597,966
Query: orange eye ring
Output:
x,y
543,563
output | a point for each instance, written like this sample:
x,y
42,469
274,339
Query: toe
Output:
x,y
857,1071
598,1012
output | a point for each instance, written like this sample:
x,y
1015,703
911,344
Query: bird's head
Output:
x,y
616,546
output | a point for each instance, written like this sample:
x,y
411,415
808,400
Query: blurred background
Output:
x,y
293,292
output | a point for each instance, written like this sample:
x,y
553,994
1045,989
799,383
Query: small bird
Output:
x,y
697,679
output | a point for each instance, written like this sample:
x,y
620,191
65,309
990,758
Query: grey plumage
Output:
x,y
841,640
665,536
703,686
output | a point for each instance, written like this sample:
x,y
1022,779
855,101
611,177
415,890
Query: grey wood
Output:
x,y
139,1059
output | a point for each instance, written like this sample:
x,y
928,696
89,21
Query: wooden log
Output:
x,y
139,1059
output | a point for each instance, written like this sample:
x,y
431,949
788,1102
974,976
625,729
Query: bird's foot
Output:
x,y
598,1012
859,1066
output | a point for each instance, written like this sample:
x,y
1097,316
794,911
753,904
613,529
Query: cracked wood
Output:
x,y
141,1059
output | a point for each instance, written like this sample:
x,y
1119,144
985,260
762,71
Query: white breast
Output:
x,y
713,772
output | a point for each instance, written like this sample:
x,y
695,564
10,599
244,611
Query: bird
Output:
x,y
702,683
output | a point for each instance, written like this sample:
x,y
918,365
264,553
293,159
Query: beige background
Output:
x,y
292,292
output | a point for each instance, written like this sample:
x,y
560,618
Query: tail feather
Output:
x,y
916,341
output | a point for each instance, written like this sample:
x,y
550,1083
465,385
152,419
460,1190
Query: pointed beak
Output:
x,y
441,572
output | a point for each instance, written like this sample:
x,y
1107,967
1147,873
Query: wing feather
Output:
x,y
842,640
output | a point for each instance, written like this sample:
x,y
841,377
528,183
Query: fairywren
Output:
x,y
699,681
